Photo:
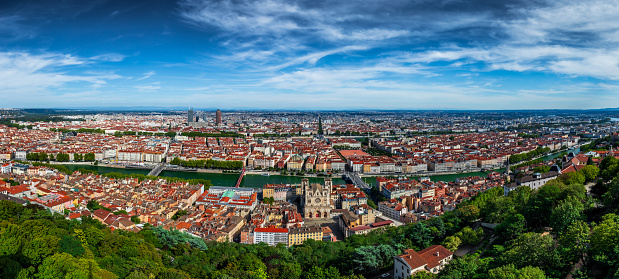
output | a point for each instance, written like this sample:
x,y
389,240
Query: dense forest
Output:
x,y
540,234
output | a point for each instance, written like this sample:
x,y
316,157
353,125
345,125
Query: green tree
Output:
x,y
64,265
541,204
179,214
422,274
604,249
567,212
70,245
11,239
510,272
40,248
43,157
9,268
470,236
497,209
590,172
176,161
542,169
315,272
533,249
417,236
468,213
369,258
89,157
468,266
9,209
573,178
574,241
512,227
607,162
452,243
92,205
62,157
437,227
171,273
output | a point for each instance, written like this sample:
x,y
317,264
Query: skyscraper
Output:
x,y
218,117
189,116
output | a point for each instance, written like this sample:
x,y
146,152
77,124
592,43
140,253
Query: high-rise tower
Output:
x,y
190,116
218,117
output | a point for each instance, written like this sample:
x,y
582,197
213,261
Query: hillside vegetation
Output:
x,y
582,228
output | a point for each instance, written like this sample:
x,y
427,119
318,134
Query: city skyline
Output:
x,y
310,55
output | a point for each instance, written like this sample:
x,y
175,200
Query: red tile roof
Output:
x,y
271,230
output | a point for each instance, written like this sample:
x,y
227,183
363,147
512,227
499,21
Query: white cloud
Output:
x,y
147,75
148,87
111,57
564,21
24,72
312,58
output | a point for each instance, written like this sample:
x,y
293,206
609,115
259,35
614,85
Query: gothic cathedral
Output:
x,y
317,199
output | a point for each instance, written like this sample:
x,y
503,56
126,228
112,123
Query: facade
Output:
x,y
271,236
299,235
431,259
280,192
392,210
218,117
6,168
190,118
534,182
316,199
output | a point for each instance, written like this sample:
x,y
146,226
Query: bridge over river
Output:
x,y
356,180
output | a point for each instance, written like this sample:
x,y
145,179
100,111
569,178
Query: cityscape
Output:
x,y
314,139
284,178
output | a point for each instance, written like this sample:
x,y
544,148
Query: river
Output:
x,y
258,181
219,179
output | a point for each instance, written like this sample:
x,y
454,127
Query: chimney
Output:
x,y
437,254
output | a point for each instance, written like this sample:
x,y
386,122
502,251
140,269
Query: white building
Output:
x,y
534,182
392,210
6,168
271,236
431,259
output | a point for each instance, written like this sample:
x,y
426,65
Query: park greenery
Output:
x,y
378,152
597,144
80,130
539,233
208,164
60,157
516,158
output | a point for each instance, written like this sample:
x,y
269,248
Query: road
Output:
x,y
356,180
161,166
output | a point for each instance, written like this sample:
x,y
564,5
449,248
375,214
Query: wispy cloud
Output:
x,y
148,87
12,28
569,38
147,75
312,58
26,73
110,57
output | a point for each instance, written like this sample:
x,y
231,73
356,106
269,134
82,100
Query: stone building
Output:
x,y
316,200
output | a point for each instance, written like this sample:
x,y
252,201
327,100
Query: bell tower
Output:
x,y
305,187
328,184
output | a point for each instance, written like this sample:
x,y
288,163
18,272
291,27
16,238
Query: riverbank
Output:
x,y
255,179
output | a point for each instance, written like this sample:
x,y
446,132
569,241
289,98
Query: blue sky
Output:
x,y
317,54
